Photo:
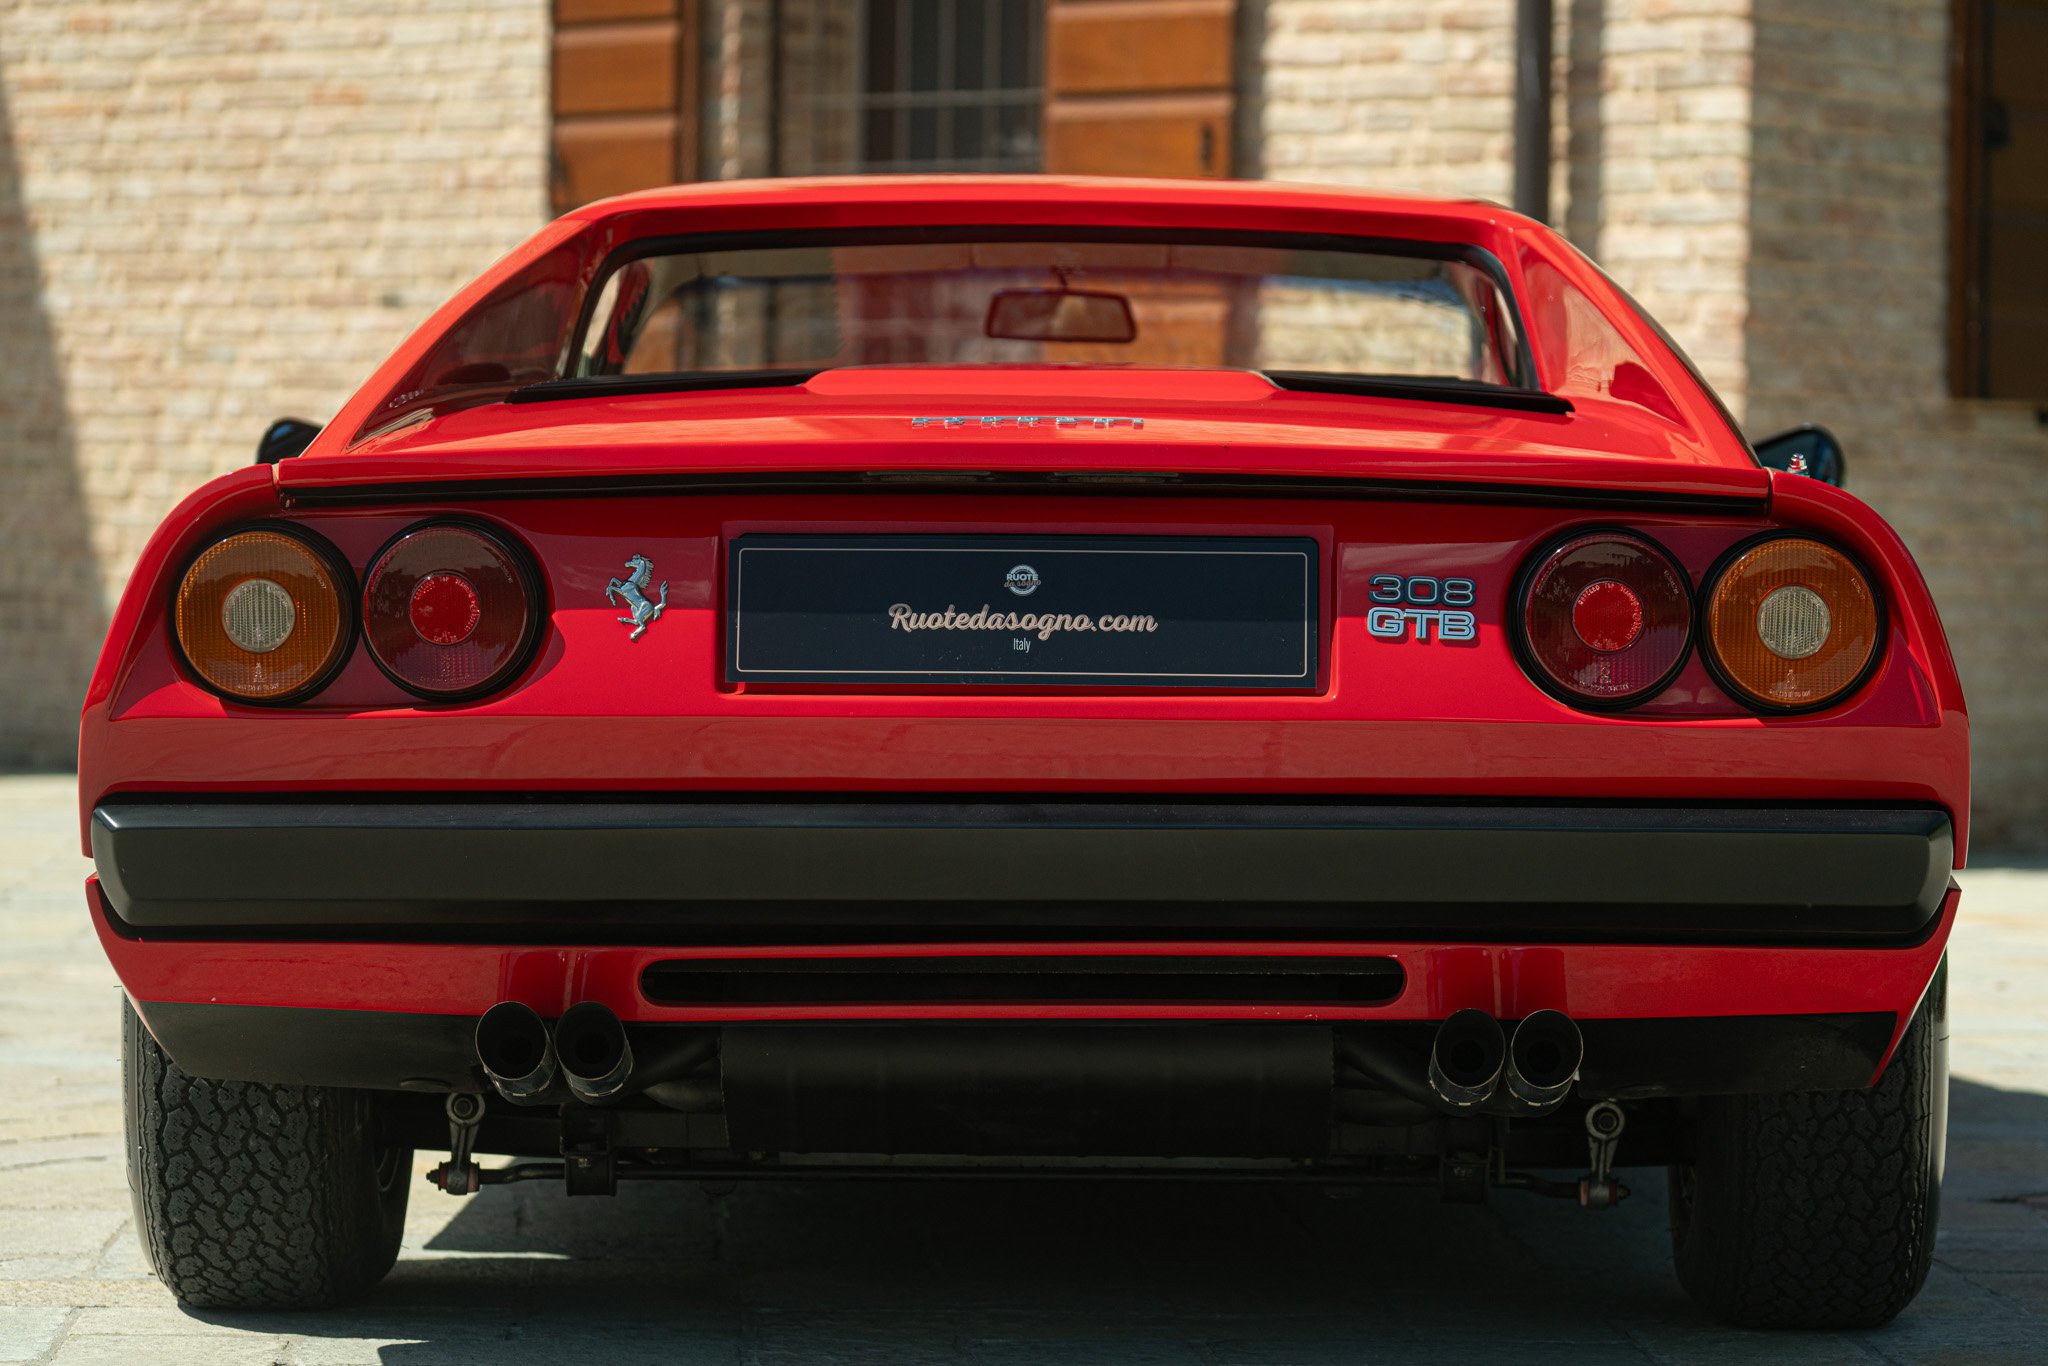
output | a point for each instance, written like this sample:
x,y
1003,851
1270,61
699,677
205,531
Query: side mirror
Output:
x,y
283,439
1810,450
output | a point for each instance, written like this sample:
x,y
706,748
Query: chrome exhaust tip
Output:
x,y
596,1059
1466,1059
1543,1060
517,1055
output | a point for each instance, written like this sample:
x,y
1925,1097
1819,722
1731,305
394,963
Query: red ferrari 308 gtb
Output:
x,y
1020,674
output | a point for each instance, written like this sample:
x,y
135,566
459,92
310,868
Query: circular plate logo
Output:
x,y
1022,580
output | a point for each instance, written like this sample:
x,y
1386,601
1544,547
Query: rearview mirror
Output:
x,y
1061,315
283,439
1810,450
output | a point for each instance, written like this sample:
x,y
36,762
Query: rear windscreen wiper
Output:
x,y
606,386
1420,388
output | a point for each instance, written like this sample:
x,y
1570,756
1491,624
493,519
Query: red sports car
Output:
x,y
1007,676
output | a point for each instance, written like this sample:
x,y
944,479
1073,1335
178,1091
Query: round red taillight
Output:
x,y
449,611
1608,615
1606,618
445,609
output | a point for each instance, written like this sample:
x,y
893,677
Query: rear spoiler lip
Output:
x,y
1127,483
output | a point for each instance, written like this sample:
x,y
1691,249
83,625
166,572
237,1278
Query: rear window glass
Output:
x,y
997,302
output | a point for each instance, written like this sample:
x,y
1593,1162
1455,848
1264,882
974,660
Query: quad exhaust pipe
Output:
x,y
1473,1064
1465,1061
517,1054
595,1056
1543,1060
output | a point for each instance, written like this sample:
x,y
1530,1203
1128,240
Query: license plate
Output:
x,y
1064,611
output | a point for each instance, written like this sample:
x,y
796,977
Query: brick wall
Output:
x,y
213,213
1397,94
811,68
1655,184
1848,317
1652,139
739,80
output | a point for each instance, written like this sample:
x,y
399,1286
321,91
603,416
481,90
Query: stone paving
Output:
x,y
982,1273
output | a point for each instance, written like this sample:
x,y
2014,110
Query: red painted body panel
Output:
x,y
597,713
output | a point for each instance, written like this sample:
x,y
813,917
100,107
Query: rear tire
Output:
x,y
250,1196
1818,1209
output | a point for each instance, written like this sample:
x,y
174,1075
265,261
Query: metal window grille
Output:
x,y
913,85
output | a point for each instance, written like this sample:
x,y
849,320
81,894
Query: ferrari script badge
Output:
x,y
633,591
1058,423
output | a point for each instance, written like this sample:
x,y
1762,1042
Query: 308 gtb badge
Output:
x,y
1421,608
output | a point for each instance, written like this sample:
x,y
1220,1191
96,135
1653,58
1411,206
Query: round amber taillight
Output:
x,y
449,611
262,615
1792,624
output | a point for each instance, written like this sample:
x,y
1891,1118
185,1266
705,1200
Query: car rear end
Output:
x,y
1011,769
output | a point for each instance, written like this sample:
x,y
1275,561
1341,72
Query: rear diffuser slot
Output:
x,y
984,979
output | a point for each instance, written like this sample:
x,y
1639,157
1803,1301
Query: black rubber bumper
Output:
x,y
817,871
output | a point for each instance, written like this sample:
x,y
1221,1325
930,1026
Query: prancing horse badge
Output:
x,y
633,589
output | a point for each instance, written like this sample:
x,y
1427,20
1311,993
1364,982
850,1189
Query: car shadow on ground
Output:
x,y
991,1271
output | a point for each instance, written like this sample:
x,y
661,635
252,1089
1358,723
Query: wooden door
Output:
x,y
1140,87
2016,205
624,81
1998,340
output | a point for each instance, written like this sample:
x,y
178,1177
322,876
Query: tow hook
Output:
x,y
458,1175
1598,1189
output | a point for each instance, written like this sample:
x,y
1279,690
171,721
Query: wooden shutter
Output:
x,y
624,97
1139,87
1999,335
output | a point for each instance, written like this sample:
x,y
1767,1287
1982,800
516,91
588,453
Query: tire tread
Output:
x,y
253,1196
1817,1209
